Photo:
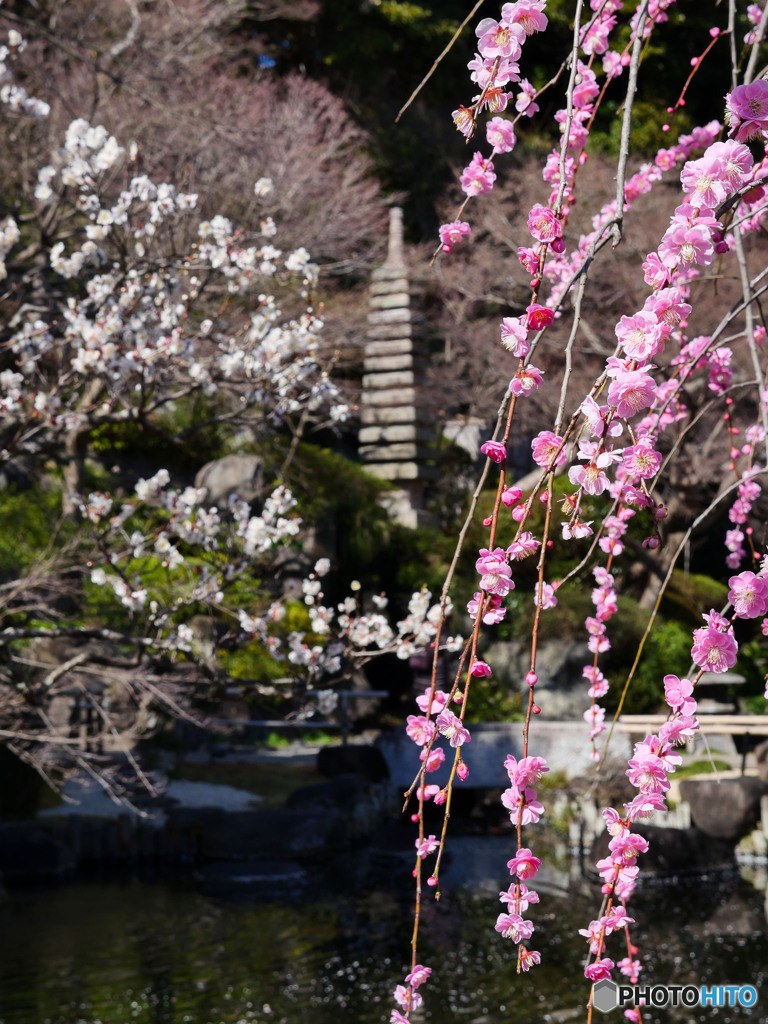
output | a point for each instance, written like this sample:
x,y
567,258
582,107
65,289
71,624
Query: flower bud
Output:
x,y
531,679
462,771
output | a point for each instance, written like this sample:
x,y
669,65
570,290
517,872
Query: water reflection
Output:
x,y
113,953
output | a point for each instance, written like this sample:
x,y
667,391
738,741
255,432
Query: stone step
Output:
x,y
397,300
390,286
392,379
392,346
374,415
395,434
390,331
402,361
392,397
394,452
377,317
402,471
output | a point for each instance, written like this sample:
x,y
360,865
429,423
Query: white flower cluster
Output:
x,y
419,628
9,236
261,533
13,95
137,325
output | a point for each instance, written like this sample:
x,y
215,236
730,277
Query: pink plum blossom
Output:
x,y
529,958
627,846
480,669
527,380
493,610
630,392
433,760
527,770
432,701
714,650
644,805
683,245
495,450
680,729
529,259
747,110
510,496
499,38
642,460
677,693
525,545
424,847
512,926
420,729
641,335
451,234
496,575
543,224
649,775
547,446
500,134
538,317
524,104
528,14
478,176
519,903
544,594
655,273
453,729
524,864
617,917
599,969
514,337
418,975
523,806
749,595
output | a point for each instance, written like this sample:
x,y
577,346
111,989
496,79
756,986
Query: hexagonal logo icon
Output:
x,y
605,995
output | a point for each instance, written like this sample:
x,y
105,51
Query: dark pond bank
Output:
x,y
120,950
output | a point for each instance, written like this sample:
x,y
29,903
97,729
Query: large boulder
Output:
x,y
352,760
559,664
728,809
675,851
241,475
761,756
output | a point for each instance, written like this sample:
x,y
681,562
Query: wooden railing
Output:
x,y
713,725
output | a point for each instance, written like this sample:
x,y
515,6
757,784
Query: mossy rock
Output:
x,y
689,596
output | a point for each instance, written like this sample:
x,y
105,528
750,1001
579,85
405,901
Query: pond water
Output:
x,y
120,951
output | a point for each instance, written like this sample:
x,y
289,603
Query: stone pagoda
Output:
x,y
396,433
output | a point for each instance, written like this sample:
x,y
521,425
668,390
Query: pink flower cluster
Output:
x,y
748,491
649,769
492,69
517,898
520,799
435,719
714,645
747,110
606,605
407,996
